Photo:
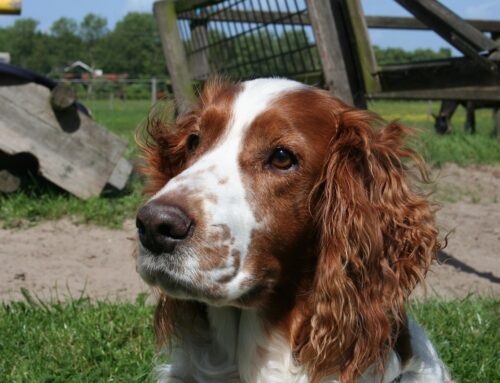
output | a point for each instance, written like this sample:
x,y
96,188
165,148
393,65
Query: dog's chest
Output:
x,y
236,349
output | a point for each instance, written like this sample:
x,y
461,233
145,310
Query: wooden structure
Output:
x,y
67,146
326,42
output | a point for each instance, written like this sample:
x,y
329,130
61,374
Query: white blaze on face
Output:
x,y
218,173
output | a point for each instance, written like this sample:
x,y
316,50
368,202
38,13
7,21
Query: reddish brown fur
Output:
x,y
346,240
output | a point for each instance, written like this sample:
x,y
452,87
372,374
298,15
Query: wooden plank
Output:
x,y
389,22
174,53
8,182
375,22
187,5
473,93
363,46
447,73
330,50
73,152
10,7
120,174
448,25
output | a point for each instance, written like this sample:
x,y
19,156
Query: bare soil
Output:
x,y
59,260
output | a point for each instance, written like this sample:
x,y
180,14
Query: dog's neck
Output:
x,y
254,350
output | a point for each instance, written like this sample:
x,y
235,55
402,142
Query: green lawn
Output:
x,y
112,342
39,202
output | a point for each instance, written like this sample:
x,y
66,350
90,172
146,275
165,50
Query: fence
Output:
x,y
123,89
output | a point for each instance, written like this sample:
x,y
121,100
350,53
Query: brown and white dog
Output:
x,y
284,236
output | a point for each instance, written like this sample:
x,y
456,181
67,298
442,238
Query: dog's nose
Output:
x,y
161,227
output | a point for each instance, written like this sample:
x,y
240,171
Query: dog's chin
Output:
x,y
213,294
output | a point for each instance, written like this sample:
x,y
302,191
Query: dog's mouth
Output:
x,y
177,277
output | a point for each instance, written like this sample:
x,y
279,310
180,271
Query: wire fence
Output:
x,y
123,89
250,38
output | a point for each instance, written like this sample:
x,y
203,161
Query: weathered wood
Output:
x,y
330,50
448,25
77,155
10,7
376,22
174,53
390,22
186,5
476,93
8,182
62,96
364,50
446,73
120,174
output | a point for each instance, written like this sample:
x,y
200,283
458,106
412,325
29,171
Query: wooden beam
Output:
x,y
474,93
188,5
375,22
365,54
449,25
10,7
330,50
389,22
445,73
174,53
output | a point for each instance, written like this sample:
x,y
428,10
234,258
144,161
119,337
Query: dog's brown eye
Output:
x,y
193,142
282,159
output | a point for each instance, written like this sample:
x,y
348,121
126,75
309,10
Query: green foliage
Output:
x,y
398,55
80,341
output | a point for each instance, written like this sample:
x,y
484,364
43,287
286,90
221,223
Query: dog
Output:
x,y
284,236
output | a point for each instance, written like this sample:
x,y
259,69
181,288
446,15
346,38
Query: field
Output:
x,y
83,339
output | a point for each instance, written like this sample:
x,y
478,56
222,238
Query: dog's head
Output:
x,y
272,188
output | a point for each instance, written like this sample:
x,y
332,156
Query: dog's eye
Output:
x,y
193,142
282,159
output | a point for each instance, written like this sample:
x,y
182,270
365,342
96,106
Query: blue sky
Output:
x,y
47,11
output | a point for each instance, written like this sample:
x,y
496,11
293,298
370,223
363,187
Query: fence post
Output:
x,y
173,51
329,49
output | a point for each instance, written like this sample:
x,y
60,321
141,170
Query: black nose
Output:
x,y
161,227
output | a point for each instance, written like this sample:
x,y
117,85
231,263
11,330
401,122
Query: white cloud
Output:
x,y
488,10
139,5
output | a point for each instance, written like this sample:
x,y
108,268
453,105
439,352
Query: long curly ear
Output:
x,y
377,240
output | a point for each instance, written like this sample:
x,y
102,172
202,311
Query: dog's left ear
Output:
x,y
377,240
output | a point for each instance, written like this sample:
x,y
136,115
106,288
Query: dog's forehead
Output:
x,y
255,97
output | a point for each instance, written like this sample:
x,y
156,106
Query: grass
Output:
x,y
457,146
35,202
81,341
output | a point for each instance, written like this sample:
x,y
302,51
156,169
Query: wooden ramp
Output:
x,y
72,151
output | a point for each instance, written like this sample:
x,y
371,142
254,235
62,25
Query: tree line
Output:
x,y
133,46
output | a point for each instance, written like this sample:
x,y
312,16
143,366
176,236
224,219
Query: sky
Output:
x,y
47,11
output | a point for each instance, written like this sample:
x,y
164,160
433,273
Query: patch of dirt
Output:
x,y
56,259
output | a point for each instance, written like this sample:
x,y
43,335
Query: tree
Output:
x,y
133,47
66,44
92,30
